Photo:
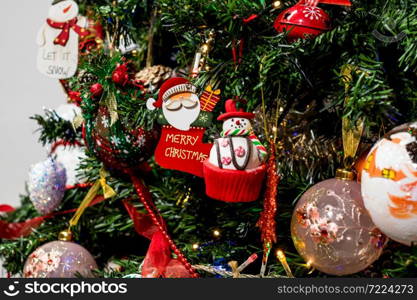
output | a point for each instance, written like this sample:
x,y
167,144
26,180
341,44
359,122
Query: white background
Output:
x,y
23,93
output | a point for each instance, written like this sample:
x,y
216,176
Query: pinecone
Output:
x,y
85,77
153,77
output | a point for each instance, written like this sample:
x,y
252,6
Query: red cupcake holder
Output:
x,y
233,185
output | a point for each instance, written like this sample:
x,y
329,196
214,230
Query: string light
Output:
x,y
196,246
277,4
283,260
216,233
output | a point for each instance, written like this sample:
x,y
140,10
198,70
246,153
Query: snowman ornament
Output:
x,y
236,166
58,40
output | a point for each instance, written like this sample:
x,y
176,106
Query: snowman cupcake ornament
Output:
x,y
235,169
58,40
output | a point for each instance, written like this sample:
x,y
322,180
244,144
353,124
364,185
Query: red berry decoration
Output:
x,y
75,97
96,90
120,75
302,21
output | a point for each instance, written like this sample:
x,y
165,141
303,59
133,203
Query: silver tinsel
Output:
x,y
47,180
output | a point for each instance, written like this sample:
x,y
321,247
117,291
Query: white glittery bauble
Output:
x,y
389,184
47,180
70,158
59,259
68,111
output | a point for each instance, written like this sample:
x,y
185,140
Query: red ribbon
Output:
x,y
6,208
10,231
158,261
143,223
63,37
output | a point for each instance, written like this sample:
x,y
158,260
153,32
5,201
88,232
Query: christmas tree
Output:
x,y
221,138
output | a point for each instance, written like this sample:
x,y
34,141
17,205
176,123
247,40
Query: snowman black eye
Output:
x,y
233,120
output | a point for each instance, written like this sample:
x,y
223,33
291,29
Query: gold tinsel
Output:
x,y
300,150
153,77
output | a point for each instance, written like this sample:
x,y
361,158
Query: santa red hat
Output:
x,y
170,87
233,112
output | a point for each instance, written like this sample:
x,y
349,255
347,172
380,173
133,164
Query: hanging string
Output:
x,y
351,132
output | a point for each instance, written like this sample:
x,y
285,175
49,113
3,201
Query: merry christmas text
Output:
x,y
185,154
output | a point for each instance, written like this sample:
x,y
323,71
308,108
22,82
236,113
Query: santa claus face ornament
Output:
x,y
389,184
181,110
181,144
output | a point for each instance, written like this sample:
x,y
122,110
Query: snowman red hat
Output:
x,y
171,87
233,112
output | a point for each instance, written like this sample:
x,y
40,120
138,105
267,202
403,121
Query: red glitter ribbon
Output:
x,y
266,222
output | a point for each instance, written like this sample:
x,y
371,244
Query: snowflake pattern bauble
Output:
x,y
332,230
389,184
302,21
117,147
59,259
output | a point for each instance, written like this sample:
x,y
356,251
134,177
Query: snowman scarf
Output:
x,y
63,37
249,133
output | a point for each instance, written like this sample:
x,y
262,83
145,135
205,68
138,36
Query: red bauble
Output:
x,y
96,90
301,21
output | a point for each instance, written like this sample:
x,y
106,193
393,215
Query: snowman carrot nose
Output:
x,y
65,10
237,122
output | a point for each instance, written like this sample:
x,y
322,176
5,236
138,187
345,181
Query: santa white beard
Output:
x,y
182,118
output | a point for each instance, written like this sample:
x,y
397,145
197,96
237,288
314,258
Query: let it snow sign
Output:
x,y
58,40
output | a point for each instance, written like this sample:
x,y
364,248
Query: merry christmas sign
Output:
x,y
181,145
